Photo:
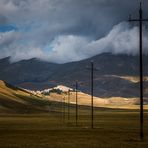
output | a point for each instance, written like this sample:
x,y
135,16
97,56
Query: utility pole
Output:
x,y
92,91
92,94
62,110
63,104
140,20
76,90
68,104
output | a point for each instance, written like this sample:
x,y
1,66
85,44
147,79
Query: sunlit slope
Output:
x,y
112,102
15,100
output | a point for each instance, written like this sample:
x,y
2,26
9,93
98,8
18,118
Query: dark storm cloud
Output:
x,y
3,20
48,24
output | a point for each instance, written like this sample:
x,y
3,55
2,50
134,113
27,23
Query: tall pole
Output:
x,y
68,105
92,68
63,110
141,73
140,20
76,102
92,91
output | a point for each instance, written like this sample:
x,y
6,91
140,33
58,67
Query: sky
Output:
x,y
62,31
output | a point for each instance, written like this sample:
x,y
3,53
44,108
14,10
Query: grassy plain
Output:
x,y
112,128
29,121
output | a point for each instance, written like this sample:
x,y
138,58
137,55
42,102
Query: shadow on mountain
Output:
x,y
38,75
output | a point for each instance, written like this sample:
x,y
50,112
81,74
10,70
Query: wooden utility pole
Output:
x,y
140,20
92,91
68,104
63,109
92,94
76,90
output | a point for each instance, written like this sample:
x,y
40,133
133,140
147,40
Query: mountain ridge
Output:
x,y
37,75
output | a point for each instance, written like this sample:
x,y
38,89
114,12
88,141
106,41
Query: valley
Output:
x,y
34,104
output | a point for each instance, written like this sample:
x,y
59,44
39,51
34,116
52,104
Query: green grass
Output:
x,y
113,129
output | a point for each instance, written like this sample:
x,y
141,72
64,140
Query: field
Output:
x,y
30,121
112,128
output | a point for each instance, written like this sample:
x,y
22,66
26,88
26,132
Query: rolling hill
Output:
x,y
16,100
60,94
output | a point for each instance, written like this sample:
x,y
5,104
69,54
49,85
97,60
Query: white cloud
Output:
x,y
68,48
122,39
31,52
6,38
68,27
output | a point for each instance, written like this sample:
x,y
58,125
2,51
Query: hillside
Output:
x,y
115,75
60,94
15,100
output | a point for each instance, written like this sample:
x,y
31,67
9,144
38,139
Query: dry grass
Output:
x,y
85,99
133,79
15,100
112,129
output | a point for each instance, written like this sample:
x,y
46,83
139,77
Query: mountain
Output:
x,y
32,70
113,76
16,100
